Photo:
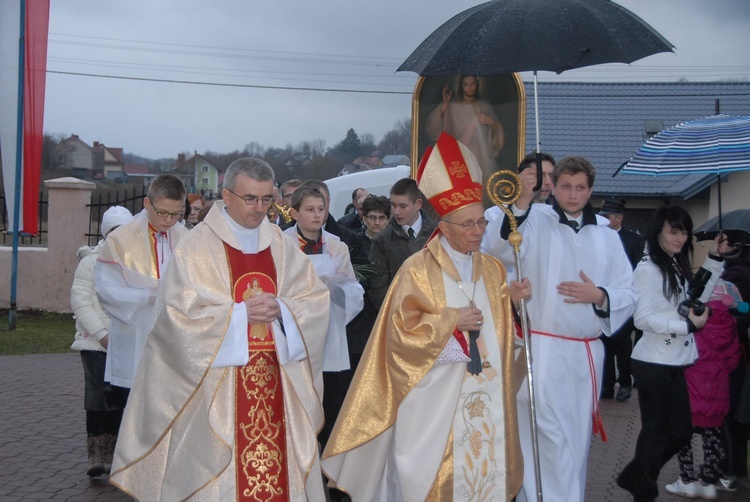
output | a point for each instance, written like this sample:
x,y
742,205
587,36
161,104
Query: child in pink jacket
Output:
x,y
708,386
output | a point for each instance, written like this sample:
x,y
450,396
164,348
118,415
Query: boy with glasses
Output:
x,y
128,270
377,212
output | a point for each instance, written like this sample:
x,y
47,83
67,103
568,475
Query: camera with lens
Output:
x,y
698,284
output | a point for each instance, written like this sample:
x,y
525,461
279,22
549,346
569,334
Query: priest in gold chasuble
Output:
x,y
431,413
226,402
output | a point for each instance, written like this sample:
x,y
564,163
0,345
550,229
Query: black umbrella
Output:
x,y
734,224
506,36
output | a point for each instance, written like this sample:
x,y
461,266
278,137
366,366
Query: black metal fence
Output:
x,y
132,199
26,239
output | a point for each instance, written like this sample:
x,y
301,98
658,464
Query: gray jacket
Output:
x,y
389,249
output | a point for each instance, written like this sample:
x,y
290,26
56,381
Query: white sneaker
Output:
x,y
679,487
707,492
727,484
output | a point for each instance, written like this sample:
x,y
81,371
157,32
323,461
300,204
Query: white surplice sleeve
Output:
x,y
234,348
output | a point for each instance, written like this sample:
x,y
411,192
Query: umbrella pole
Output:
x,y
718,196
538,140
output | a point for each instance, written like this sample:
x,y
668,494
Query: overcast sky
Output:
x,y
265,51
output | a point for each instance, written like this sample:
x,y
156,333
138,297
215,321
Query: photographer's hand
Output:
x,y
698,321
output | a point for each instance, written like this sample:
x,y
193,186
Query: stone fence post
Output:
x,y
46,274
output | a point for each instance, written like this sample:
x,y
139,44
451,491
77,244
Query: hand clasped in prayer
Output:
x,y
262,308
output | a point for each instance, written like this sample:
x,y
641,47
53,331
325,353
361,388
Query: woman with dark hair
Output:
x,y
663,280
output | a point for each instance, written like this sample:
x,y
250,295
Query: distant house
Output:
x,y
373,161
395,160
297,161
91,162
608,122
198,174
113,162
138,173
353,168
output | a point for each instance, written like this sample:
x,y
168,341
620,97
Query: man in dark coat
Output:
x,y
406,234
353,219
619,346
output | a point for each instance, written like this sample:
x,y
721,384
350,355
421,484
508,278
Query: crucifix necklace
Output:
x,y
473,292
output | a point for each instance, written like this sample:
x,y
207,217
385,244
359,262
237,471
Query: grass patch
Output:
x,y
37,332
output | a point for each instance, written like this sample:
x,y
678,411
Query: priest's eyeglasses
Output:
x,y
252,200
468,225
166,214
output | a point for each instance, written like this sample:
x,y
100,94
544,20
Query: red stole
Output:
x,y
155,255
260,430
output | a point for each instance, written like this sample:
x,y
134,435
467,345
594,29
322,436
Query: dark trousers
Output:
x,y
335,385
617,348
665,426
104,403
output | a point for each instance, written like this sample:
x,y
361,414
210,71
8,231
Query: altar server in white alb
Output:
x,y
129,269
582,288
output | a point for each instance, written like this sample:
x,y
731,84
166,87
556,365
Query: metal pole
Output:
x,y
504,188
530,376
19,175
718,196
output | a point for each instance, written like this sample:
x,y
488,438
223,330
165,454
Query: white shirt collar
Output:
x,y
462,261
417,225
247,237
578,220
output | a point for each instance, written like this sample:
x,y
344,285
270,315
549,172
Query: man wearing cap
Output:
x,y
431,412
582,282
619,346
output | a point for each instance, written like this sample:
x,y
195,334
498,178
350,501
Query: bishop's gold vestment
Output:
x,y
365,454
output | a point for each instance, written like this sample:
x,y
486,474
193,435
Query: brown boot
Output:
x,y
95,446
110,442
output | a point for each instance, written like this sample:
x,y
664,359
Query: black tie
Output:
x,y
573,224
411,234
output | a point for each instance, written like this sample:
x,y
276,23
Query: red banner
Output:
x,y
35,68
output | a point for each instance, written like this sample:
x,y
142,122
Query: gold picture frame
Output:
x,y
446,103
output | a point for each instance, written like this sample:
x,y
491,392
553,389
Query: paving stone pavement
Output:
x,y
43,440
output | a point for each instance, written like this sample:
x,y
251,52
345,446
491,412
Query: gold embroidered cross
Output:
x,y
457,169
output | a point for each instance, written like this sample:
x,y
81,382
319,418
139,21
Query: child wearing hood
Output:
x,y
708,387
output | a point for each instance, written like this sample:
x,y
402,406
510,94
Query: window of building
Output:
x,y
204,181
